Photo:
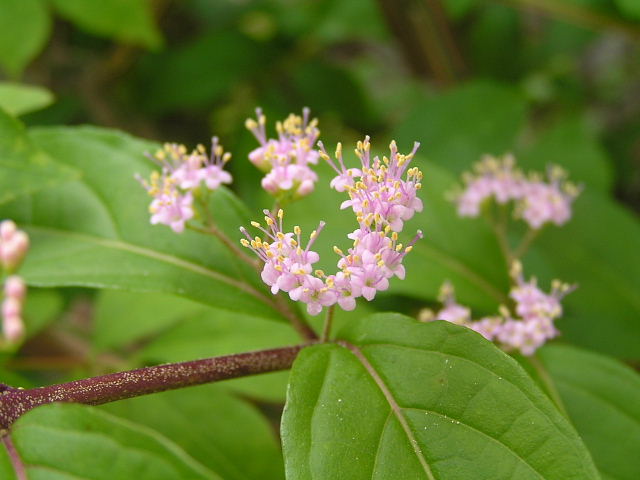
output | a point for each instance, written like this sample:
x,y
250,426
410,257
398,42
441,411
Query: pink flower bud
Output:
x,y
7,229
13,328
14,287
13,250
11,307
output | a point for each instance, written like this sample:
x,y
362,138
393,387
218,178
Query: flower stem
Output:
x,y
142,381
328,321
526,242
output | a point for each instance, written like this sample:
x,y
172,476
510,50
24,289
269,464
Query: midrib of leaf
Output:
x,y
429,250
458,357
215,450
162,257
395,408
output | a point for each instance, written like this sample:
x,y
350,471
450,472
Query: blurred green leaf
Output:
x,y
124,318
24,168
597,250
571,144
24,28
196,74
414,400
65,441
458,127
128,21
17,98
41,308
602,397
630,8
330,88
224,433
95,232
459,8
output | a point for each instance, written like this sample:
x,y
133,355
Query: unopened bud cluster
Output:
x,y
286,160
382,194
525,329
14,244
537,200
182,175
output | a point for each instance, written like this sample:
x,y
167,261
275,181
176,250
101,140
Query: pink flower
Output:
x,y
536,201
14,244
286,159
526,331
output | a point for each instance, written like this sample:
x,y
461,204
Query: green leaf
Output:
x,y
42,307
65,441
25,169
224,433
458,127
18,99
411,400
24,28
129,21
124,318
602,314
573,146
201,72
629,8
95,232
602,397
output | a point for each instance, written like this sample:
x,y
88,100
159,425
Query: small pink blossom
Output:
x,y
366,267
286,159
14,244
525,330
536,201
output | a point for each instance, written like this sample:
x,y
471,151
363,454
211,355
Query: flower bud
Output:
x,y
13,328
14,287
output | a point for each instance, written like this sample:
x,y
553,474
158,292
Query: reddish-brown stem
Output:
x,y
142,381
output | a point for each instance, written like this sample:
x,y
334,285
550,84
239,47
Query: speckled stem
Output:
x,y
133,383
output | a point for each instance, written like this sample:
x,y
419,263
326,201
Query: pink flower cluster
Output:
x,y
525,329
182,174
14,244
536,201
382,191
376,254
286,159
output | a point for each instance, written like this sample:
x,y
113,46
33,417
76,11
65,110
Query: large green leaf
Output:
x,y
18,98
130,21
457,127
597,250
24,168
95,232
24,28
224,433
411,400
602,397
571,144
65,441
